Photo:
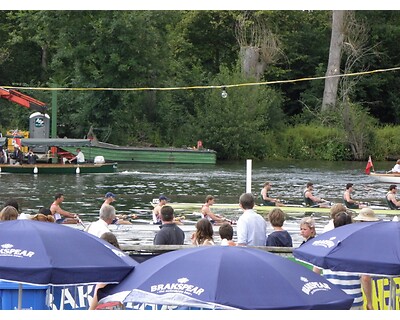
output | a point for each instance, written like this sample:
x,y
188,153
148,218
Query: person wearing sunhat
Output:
x,y
367,215
109,198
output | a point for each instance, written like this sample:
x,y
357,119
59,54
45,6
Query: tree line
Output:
x,y
178,62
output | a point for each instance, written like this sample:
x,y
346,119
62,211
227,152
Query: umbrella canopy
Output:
x,y
223,277
366,247
42,253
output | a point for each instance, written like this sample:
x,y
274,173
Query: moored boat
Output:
x,y
51,162
59,168
116,153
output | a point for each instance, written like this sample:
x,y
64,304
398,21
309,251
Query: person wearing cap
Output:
x,y
391,198
162,201
109,198
348,201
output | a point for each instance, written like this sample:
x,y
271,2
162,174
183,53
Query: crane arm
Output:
x,y
23,100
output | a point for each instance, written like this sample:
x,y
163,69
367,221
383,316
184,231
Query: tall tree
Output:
x,y
335,53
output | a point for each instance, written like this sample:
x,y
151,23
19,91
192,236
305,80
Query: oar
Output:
x,y
81,223
298,203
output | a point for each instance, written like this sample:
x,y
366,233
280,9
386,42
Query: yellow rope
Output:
x,y
207,87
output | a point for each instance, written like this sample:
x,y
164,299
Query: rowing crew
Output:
x,y
312,201
309,199
204,213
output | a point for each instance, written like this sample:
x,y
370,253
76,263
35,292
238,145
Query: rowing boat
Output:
x,y
146,226
264,209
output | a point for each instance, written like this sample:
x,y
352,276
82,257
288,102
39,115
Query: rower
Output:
x,y
208,214
266,199
391,200
348,201
311,200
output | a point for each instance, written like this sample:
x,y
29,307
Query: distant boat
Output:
x,y
386,177
115,153
59,168
51,162
59,148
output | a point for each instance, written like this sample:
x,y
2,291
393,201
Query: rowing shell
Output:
x,y
266,209
146,225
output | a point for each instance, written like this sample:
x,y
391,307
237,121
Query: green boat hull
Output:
x,y
47,168
112,153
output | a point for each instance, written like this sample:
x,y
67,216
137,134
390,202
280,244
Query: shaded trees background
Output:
x,y
181,49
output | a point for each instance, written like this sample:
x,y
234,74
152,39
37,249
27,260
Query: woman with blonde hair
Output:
x,y
204,233
307,229
8,213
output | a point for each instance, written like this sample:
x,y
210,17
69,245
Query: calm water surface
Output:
x,y
137,184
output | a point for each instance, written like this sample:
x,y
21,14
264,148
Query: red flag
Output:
x,y
369,166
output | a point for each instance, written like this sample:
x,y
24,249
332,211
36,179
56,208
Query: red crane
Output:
x,y
23,100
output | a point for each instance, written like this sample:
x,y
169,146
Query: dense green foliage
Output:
x,y
149,51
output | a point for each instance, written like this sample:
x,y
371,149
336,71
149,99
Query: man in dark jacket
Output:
x,y
169,232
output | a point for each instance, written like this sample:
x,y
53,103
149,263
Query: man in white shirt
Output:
x,y
107,215
396,168
251,227
79,158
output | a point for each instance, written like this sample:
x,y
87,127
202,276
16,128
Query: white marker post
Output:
x,y
248,175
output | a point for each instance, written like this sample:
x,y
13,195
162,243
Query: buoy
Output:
x,y
78,170
35,170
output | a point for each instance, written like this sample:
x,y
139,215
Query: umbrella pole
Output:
x,y
19,296
392,294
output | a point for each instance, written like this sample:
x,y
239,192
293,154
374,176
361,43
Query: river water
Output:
x,y
137,184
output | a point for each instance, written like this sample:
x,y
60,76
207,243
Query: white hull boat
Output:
x,y
386,177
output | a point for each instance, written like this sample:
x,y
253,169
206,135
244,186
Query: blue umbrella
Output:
x,y
42,253
366,247
222,277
